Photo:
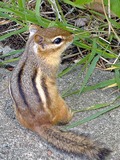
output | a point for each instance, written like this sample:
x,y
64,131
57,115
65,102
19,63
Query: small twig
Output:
x,y
111,28
13,28
70,56
116,58
105,40
10,30
80,52
105,60
109,15
83,32
70,11
104,48
47,13
115,91
4,22
22,38
57,9
109,22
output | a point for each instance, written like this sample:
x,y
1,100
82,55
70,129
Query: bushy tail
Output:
x,y
73,143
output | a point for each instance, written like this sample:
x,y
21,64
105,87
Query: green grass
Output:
x,y
95,43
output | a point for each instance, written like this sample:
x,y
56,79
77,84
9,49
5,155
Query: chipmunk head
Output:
x,y
49,43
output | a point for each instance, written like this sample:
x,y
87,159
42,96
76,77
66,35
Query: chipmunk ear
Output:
x,y
33,29
38,39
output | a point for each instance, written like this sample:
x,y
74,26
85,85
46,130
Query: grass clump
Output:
x,y
96,44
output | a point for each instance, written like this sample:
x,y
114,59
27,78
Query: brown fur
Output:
x,y
38,105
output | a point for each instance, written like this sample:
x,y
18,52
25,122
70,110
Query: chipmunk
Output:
x,y
38,104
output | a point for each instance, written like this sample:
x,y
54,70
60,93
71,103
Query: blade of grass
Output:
x,y
8,16
60,11
89,72
13,33
110,86
21,3
11,10
92,66
114,66
67,70
90,88
99,85
12,53
37,11
37,7
73,83
117,77
116,24
73,4
25,16
8,61
94,107
99,51
96,115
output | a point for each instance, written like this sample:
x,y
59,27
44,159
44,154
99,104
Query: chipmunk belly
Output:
x,y
61,113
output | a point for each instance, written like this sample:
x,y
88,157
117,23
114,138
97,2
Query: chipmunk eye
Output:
x,y
57,41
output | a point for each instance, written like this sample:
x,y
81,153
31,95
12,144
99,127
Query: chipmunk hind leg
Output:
x,y
62,114
30,120
23,118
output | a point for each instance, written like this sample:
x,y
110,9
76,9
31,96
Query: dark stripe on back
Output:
x,y
21,89
19,81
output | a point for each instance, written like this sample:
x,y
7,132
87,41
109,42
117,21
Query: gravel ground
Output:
x,y
18,143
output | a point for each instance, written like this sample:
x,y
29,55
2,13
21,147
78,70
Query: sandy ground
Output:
x,y
18,143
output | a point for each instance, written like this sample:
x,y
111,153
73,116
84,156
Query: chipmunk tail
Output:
x,y
73,143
